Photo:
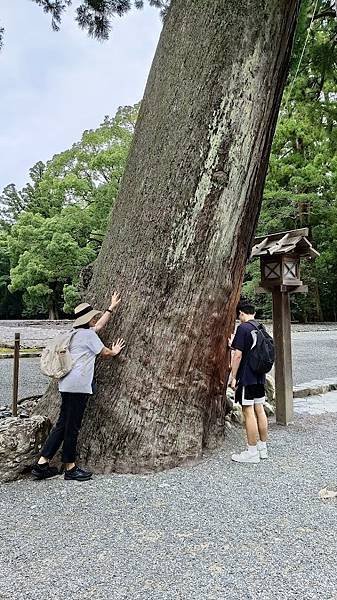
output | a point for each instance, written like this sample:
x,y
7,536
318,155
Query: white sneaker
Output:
x,y
246,457
263,452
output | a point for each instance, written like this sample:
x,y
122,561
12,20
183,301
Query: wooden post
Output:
x,y
16,375
283,362
280,255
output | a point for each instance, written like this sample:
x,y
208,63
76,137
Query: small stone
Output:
x,y
269,409
270,388
24,415
229,404
237,415
4,414
230,393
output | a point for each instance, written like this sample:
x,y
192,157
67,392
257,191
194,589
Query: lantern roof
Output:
x,y
294,242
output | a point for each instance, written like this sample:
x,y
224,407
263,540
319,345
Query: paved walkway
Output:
x,y
321,404
215,531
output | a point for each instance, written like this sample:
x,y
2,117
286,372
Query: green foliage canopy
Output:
x,y
53,227
301,187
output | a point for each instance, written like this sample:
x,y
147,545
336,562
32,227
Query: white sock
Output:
x,y
252,449
262,445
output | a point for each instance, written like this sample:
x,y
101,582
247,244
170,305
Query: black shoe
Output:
x,y
77,474
85,472
44,471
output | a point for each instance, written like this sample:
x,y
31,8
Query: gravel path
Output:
x,y
31,380
33,333
314,355
215,531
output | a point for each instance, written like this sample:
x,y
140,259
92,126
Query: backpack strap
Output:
x,y
244,366
71,333
256,324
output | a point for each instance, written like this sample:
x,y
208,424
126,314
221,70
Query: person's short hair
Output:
x,y
246,307
85,326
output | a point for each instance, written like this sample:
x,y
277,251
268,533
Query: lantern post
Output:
x,y
280,255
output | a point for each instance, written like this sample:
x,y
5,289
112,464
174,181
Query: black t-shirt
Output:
x,y
243,340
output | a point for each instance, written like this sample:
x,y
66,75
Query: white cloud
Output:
x,y
55,85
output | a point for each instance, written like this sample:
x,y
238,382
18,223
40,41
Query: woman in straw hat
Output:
x,y
75,389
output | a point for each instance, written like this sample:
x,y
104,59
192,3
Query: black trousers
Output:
x,y
67,428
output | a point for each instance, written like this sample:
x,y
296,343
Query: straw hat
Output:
x,y
84,313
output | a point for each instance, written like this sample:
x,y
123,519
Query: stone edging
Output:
x,y
315,387
23,354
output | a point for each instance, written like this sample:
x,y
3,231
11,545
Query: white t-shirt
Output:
x,y
84,347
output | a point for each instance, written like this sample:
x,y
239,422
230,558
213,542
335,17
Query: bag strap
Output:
x,y
245,364
256,324
259,327
71,333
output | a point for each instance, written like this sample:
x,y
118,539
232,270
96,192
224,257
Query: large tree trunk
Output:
x,y
182,228
53,314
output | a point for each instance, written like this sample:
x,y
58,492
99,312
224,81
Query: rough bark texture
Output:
x,y
182,228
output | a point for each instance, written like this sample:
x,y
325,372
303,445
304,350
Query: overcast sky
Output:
x,y
53,86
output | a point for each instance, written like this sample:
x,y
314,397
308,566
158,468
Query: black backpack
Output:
x,y
261,356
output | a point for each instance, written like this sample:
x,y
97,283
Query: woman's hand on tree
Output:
x,y
115,300
118,346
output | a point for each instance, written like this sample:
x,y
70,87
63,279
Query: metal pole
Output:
x,y
16,374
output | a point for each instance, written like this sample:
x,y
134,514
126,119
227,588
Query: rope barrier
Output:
x,y
302,55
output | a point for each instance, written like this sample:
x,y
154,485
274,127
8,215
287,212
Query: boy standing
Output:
x,y
249,388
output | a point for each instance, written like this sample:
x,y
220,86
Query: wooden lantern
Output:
x,y
280,269
280,255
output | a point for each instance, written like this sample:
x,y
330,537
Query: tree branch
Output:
x,y
331,12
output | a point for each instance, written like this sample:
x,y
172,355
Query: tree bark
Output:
x,y
53,314
53,311
181,231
